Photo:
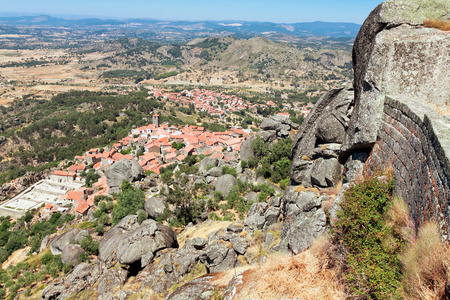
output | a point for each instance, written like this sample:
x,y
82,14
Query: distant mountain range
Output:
x,y
303,29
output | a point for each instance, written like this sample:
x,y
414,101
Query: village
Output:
x,y
154,146
218,104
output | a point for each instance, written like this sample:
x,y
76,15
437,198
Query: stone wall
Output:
x,y
408,143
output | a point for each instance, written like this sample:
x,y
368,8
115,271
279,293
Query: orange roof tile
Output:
x,y
82,208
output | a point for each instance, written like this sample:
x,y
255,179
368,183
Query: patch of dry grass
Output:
x,y
439,24
426,266
308,275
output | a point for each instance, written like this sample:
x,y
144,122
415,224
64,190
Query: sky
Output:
x,y
281,11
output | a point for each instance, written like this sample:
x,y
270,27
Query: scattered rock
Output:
x,y
111,280
71,253
154,207
61,241
326,172
126,169
207,163
225,183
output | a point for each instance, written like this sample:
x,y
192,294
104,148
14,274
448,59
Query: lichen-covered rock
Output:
x,y
140,244
109,281
326,172
304,218
82,277
225,183
387,44
334,105
207,163
71,253
200,289
61,241
124,169
246,151
154,207
255,216
215,172
219,258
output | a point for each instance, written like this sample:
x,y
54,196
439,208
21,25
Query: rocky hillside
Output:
x,y
229,59
391,119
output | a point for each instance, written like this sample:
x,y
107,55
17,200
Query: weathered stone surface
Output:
x,y
235,228
154,207
225,183
382,56
82,277
208,162
215,172
44,243
326,172
199,289
267,136
219,258
199,243
334,105
111,280
108,244
246,151
304,218
331,131
251,196
71,253
61,241
126,169
141,243
148,238
239,245
130,222
271,217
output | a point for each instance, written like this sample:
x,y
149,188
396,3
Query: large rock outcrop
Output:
x,y
124,169
396,115
324,128
136,244
393,55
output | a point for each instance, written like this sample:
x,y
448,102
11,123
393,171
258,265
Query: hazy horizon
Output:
x,y
285,11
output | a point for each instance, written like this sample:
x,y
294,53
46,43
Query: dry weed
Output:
x,y
439,24
308,275
426,266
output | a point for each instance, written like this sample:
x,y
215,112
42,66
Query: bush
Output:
x,y
284,183
47,258
229,170
90,246
67,267
142,215
373,269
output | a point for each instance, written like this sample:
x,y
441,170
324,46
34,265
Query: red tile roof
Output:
x,y
82,208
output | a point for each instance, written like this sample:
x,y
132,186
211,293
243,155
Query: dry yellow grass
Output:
x,y
201,231
427,266
308,275
16,257
439,24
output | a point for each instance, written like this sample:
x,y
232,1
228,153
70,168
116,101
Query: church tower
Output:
x,y
155,120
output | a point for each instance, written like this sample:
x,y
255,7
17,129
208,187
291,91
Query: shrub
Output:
x,y
142,215
284,183
67,267
373,269
89,245
47,258
229,170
